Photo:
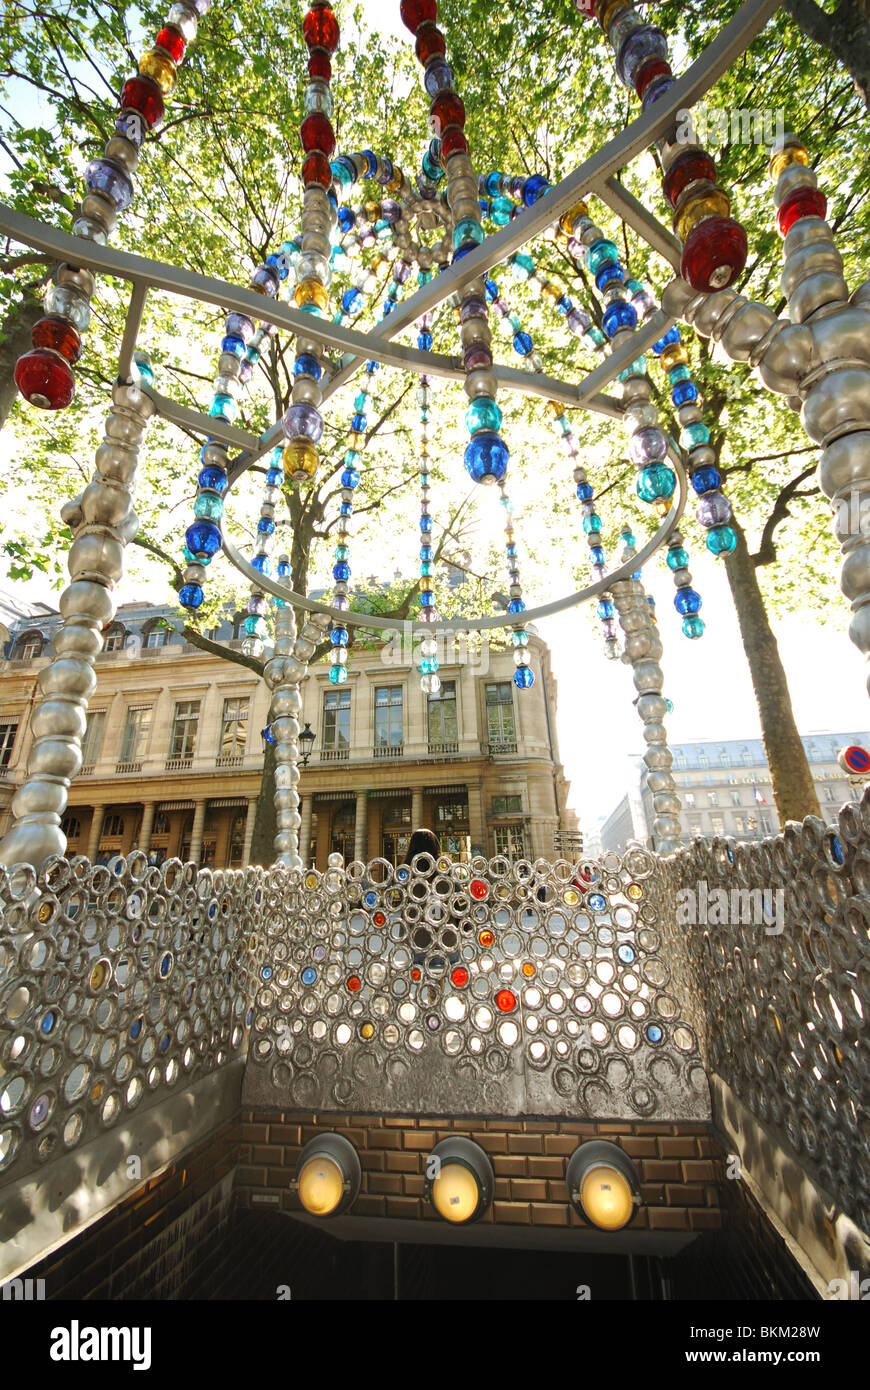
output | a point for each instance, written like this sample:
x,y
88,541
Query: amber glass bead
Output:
x,y
714,202
311,292
172,41
315,169
60,335
160,68
674,356
299,460
446,110
317,134
606,9
356,440
430,43
566,221
320,29
793,154
396,182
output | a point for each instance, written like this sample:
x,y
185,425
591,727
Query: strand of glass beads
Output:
x,y
524,676
302,422
255,623
714,244
714,509
486,455
430,681
44,374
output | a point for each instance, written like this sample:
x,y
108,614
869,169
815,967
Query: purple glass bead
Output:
x,y
477,356
265,276
437,77
645,43
713,509
106,177
303,422
132,127
391,212
246,371
647,445
258,605
643,303
577,321
473,308
609,627
401,271
428,615
341,602
240,326
576,249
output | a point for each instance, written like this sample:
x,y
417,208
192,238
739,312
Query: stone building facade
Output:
x,y
173,753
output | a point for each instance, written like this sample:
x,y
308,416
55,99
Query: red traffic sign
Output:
x,y
854,759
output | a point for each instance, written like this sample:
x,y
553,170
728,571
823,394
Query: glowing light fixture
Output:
x,y
328,1175
603,1185
459,1180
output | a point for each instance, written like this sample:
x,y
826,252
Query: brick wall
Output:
x,y
680,1166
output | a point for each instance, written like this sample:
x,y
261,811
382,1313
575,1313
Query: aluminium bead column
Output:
x,y
284,674
103,521
643,650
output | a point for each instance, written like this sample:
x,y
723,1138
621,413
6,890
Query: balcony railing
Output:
x,y
441,750
495,749
178,764
388,750
334,755
229,760
126,768
87,770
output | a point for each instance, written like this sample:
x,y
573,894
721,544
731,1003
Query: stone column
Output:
x,y
147,826
417,808
196,831
361,825
476,820
250,817
95,832
305,831
103,522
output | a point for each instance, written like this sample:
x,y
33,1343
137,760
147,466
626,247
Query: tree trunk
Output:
x,y
793,789
14,340
845,34
265,823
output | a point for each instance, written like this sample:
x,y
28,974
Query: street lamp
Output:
x,y
306,740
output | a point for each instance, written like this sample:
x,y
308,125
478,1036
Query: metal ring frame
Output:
x,y
595,176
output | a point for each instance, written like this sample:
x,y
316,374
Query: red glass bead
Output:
x,y
430,43
317,134
688,168
142,95
655,67
416,974
60,335
804,202
172,41
460,976
446,110
45,379
354,984
320,28
451,141
379,919
506,1001
479,889
413,13
315,169
319,65
714,254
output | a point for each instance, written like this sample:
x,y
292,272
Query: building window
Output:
x,y
507,805
239,626
732,780
237,840
724,757
717,824
136,731
7,740
336,719
157,637
509,841
689,799
29,646
234,728
746,825
93,738
113,638
500,727
703,760
746,756
833,794
443,723
184,727
161,824
113,828
451,812
735,798
679,758
342,830
714,798
388,716
71,827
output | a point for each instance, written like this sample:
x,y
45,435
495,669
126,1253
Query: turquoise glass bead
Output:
x,y
482,414
337,675
208,505
428,666
679,373
599,254
468,230
678,558
721,540
694,434
656,481
592,523
426,568
500,211
520,638
593,337
693,626
341,553
637,368
223,407
522,266
255,627
195,559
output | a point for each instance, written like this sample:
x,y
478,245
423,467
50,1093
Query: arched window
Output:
x,y
154,634
113,637
29,646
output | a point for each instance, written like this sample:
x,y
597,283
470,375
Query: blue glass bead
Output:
x,y
523,344
424,341
358,423
584,492
596,554
341,571
338,637
213,478
223,408
350,478
190,595
307,365
656,89
524,676
427,598
706,479
625,953
482,414
654,1033
599,253
597,902
607,274
309,975
426,552
266,526
522,266
337,675
618,315
372,367
491,289
268,735
345,509
564,305
283,569
346,219
656,481
261,564
678,558
535,187
351,300
233,344
492,183
511,549
606,609
203,537
486,457
464,250
693,627
592,523
721,540
693,435
672,336
684,393
425,523
207,504
279,264
687,601
275,477
516,605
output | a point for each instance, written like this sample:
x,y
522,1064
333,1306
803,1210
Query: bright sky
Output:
x,y
708,680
